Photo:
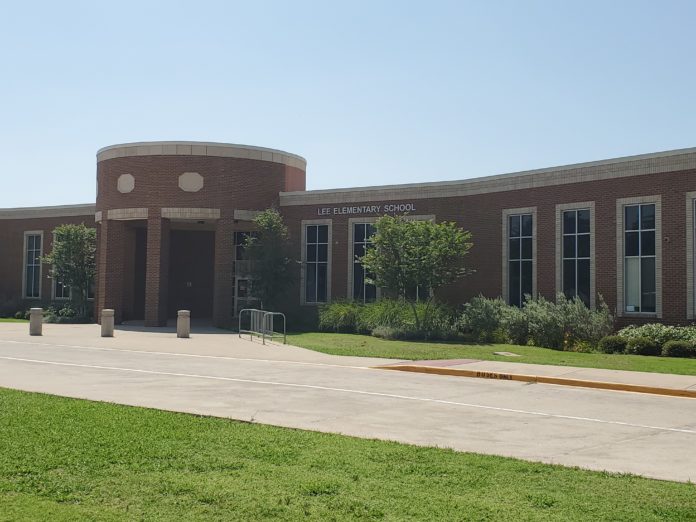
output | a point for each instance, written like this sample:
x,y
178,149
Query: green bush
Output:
x,y
679,349
660,333
339,316
612,344
482,318
515,325
642,346
394,319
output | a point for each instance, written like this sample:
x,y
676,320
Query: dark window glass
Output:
x,y
584,221
526,282
514,278
514,230
647,243
526,224
632,244
569,222
370,292
583,284
569,246
358,250
321,282
323,253
311,283
311,234
323,234
527,248
584,245
631,218
647,216
358,281
359,233
514,249
569,278
311,253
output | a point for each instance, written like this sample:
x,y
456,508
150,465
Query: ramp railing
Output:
x,y
261,323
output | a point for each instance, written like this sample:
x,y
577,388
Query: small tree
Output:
x,y
269,259
72,261
406,254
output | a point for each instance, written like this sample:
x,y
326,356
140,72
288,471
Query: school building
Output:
x,y
172,217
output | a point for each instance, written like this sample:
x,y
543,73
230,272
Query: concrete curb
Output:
x,y
561,381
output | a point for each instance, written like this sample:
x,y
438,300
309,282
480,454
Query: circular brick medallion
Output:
x,y
126,183
190,182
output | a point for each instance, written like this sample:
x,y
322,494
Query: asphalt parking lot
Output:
x,y
216,373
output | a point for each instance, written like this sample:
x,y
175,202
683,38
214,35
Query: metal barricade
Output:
x,y
261,323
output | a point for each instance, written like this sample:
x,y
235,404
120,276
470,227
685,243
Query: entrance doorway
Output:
x,y
191,272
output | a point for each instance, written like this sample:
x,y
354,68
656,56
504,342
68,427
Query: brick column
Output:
x,y
223,300
157,270
110,269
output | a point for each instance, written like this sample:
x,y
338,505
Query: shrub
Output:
x,y
660,333
679,349
22,314
546,323
482,318
515,326
581,347
339,316
642,346
612,344
388,332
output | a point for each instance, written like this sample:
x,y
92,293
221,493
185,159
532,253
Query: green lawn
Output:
x,y
367,346
66,459
12,320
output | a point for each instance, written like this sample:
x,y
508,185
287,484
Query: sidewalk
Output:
x,y
639,382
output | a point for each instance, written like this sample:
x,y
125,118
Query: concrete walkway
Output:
x,y
216,373
619,380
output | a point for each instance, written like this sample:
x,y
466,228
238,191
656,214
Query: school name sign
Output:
x,y
384,208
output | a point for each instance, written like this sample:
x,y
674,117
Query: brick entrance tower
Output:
x,y
150,195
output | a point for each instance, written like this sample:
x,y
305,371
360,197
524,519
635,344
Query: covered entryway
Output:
x,y
191,272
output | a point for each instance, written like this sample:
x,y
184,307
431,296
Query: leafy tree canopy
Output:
x,y
406,253
72,261
269,259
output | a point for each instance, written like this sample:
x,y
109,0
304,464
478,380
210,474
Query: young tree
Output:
x,y
407,253
72,261
267,252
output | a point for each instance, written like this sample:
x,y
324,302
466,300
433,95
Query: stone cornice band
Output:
x,y
196,148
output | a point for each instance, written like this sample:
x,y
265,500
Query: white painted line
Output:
x,y
224,357
357,392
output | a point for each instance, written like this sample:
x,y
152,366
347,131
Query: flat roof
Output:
x,y
653,163
200,148
48,212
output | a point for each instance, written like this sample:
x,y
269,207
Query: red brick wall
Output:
x,y
482,215
12,258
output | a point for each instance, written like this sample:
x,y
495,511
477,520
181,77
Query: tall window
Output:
x,y
316,263
576,254
362,290
32,268
520,258
639,258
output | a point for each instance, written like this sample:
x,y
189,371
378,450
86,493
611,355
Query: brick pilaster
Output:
x,y
157,270
223,300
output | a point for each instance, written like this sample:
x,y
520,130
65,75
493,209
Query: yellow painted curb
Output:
x,y
599,385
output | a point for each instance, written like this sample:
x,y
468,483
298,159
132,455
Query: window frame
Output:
x,y
329,260
560,209
621,204
351,260
28,233
690,255
506,213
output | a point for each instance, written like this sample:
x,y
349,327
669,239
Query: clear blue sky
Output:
x,y
370,92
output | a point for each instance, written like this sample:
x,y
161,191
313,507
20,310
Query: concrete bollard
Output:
x,y
107,323
183,324
35,321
